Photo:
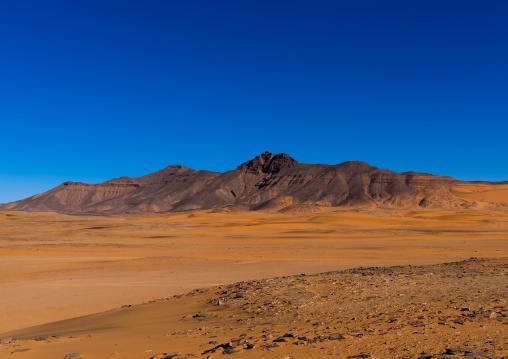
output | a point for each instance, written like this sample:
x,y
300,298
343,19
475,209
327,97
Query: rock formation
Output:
x,y
268,182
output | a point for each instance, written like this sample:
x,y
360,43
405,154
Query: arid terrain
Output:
x,y
54,267
254,179
273,224
456,310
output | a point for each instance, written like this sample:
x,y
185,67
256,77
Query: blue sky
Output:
x,y
92,90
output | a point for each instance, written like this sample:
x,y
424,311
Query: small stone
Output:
x,y
6,340
72,355
361,356
470,352
454,351
336,336
166,355
271,346
200,315
21,350
230,350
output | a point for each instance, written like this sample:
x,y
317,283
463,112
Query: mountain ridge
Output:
x,y
271,182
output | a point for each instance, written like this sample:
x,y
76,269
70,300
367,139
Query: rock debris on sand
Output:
x,y
445,311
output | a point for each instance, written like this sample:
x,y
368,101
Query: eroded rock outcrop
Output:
x,y
274,182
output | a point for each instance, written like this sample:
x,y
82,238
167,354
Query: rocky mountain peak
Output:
x,y
268,162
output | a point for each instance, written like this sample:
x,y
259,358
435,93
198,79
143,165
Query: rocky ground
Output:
x,y
452,310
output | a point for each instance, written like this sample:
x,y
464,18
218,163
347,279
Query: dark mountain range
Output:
x,y
267,182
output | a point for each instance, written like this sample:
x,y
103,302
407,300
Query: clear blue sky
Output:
x,y
92,90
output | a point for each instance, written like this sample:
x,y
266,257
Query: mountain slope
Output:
x,y
267,182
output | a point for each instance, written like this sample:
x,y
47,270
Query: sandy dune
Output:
x,y
483,193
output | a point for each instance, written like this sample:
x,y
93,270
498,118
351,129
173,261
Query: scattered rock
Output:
x,y
21,350
166,355
6,340
272,346
470,352
339,312
200,315
231,350
41,339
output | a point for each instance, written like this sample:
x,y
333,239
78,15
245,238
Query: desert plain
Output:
x,y
162,285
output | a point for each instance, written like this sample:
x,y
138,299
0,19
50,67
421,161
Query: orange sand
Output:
x,y
54,267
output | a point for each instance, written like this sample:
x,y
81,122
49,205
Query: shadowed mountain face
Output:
x,y
267,182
